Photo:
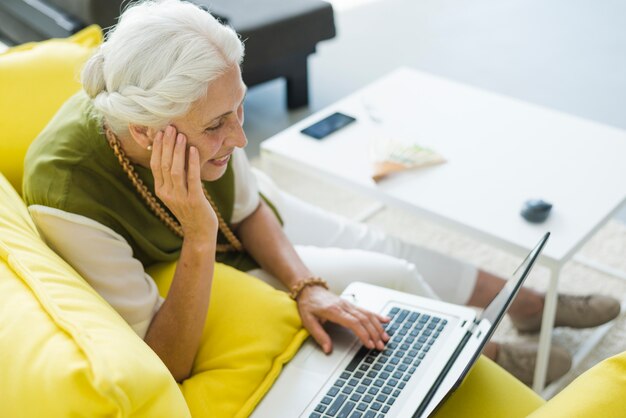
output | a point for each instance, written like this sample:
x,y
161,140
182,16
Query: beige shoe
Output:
x,y
576,312
520,359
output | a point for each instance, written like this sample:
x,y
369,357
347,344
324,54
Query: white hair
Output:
x,y
157,61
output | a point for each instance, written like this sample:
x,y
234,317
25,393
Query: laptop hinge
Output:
x,y
473,327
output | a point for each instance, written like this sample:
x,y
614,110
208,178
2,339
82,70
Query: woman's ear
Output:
x,y
143,135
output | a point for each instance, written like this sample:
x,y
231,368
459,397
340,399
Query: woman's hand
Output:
x,y
318,305
177,183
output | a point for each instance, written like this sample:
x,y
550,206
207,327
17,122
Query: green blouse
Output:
x,y
71,167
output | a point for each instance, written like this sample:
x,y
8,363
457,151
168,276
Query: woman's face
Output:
x,y
214,123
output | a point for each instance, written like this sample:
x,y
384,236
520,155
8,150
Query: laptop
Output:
x,y
432,348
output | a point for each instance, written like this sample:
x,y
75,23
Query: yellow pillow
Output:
x,y
63,350
251,331
599,392
35,79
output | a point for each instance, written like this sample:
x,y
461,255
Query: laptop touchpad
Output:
x,y
315,360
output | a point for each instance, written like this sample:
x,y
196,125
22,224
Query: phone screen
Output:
x,y
328,125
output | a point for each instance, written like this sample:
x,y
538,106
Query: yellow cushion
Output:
x,y
35,79
490,392
64,351
599,392
251,331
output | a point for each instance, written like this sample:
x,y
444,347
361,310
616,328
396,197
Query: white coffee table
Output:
x,y
500,152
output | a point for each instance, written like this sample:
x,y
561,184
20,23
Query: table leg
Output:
x,y
547,324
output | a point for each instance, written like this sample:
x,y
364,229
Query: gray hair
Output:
x,y
158,60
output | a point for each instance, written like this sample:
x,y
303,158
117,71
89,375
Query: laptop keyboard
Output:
x,y
371,383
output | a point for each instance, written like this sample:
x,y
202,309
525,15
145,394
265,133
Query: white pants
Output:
x,y
342,251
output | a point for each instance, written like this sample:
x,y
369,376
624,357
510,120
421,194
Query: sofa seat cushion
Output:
x,y
251,331
35,79
65,351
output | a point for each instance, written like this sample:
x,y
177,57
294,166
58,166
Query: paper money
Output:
x,y
392,156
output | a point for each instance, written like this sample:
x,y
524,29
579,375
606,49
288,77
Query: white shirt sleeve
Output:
x,y
246,189
105,260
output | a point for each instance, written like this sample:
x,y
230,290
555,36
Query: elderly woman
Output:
x,y
147,165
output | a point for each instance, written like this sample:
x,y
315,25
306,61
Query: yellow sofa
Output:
x,y
65,352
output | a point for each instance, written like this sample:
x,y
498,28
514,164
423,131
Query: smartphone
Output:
x,y
328,125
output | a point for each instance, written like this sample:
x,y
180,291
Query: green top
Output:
x,y
70,166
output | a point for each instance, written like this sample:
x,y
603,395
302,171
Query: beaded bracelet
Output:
x,y
311,281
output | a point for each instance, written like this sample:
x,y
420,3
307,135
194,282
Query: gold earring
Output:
x,y
149,147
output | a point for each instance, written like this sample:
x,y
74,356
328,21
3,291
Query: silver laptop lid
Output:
x,y
492,315
496,310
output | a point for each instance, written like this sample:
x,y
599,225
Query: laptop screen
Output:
x,y
498,306
494,314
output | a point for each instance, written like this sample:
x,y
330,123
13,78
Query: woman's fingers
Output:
x,y
365,325
373,339
377,320
177,182
312,324
179,179
382,318
194,182
155,160
322,305
346,319
167,155
371,324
